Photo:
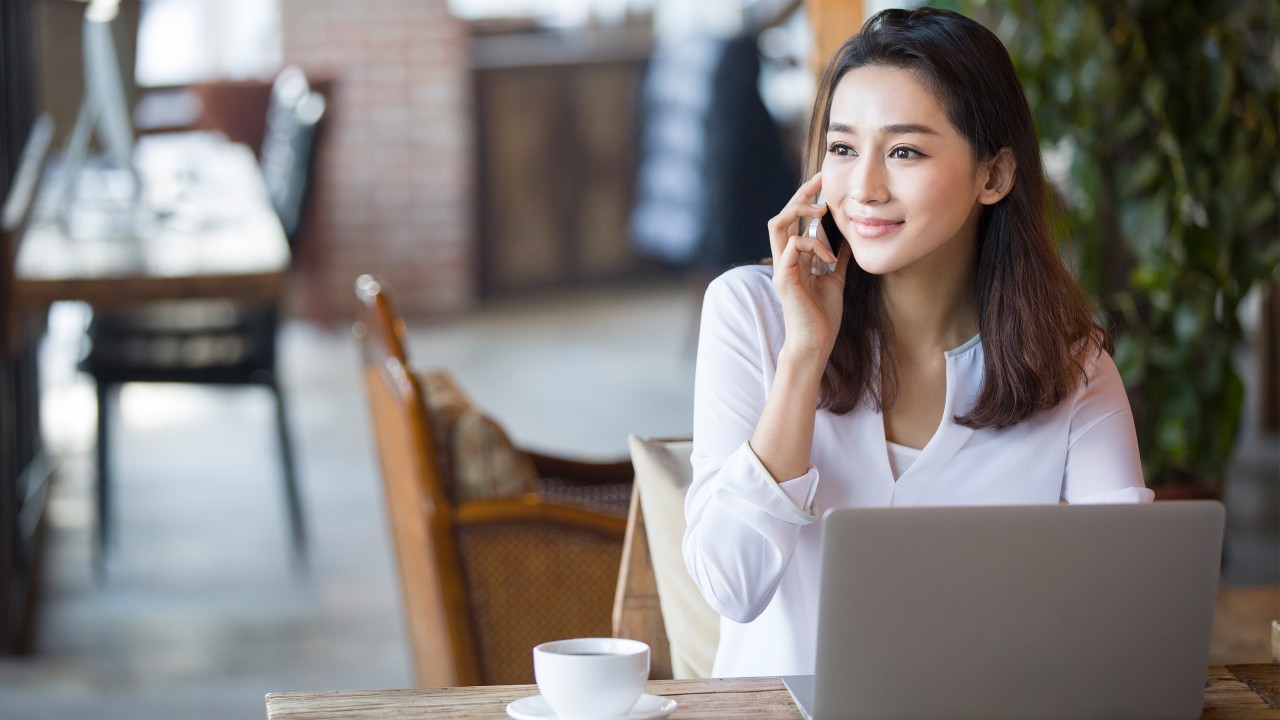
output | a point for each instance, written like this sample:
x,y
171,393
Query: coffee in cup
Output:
x,y
591,678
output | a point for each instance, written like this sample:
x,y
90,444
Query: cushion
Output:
x,y
474,455
663,474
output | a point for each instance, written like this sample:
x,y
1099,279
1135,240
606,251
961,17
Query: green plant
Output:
x,y
1163,117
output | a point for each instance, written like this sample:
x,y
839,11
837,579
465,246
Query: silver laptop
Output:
x,y
1098,611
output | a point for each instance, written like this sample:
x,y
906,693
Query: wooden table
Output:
x,y
205,227
1231,692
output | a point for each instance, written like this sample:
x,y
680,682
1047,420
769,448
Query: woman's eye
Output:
x,y
904,153
841,149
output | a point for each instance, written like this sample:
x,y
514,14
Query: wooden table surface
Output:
x,y
1232,692
205,227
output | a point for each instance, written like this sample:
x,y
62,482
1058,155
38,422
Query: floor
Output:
x,y
201,615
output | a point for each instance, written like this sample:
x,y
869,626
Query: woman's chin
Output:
x,y
876,264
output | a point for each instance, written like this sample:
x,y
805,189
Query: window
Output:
x,y
184,41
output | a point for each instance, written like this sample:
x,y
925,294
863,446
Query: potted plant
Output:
x,y
1159,120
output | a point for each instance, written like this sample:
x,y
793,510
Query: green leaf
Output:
x,y
1188,323
1140,176
1173,438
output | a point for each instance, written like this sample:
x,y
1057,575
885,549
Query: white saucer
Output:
x,y
648,707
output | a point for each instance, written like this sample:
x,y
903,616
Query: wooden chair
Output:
x,y
483,580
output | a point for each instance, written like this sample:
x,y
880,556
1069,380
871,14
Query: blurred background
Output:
x,y
548,185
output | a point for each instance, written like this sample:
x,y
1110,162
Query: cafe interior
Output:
x,y
350,346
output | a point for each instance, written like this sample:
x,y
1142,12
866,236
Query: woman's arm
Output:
x,y
742,524
812,306
761,353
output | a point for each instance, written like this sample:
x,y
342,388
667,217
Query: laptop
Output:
x,y
1046,611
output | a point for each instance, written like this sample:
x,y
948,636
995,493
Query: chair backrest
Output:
x,y
637,610
656,600
485,580
418,511
289,143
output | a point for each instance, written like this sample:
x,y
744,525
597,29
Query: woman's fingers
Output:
x,y
792,212
798,246
786,222
807,188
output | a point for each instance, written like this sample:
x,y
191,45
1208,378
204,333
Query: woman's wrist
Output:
x,y
783,438
803,361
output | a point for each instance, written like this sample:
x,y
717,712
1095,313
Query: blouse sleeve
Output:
x,y
742,525
1103,464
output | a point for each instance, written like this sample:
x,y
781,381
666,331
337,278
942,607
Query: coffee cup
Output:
x,y
591,678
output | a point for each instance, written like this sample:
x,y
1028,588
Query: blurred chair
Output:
x,y
498,549
219,341
657,601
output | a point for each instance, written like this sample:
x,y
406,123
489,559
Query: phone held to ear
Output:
x,y
815,230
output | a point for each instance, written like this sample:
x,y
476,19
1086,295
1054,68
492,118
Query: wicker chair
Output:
x,y
484,580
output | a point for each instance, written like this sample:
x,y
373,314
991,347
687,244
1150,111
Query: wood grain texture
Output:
x,y
1263,679
1230,694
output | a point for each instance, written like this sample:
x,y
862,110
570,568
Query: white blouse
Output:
x,y
901,458
752,544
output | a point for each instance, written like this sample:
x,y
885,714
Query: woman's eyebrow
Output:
x,y
895,129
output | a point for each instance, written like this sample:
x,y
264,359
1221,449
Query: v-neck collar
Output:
x,y
949,437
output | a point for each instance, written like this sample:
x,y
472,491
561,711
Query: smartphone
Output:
x,y
816,231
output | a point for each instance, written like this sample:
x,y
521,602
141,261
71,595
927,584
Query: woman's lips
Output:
x,y
873,227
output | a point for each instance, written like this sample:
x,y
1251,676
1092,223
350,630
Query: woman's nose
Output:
x,y
867,181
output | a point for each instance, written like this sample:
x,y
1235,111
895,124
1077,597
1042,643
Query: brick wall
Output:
x,y
396,182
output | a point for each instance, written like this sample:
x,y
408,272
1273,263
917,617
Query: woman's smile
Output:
x,y
873,227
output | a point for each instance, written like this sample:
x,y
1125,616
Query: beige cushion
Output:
x,y
663,475
474,455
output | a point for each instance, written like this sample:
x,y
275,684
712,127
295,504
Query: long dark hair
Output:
x,y
1035,320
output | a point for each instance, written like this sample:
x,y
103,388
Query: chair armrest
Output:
x,y
601,486
534,508
580,472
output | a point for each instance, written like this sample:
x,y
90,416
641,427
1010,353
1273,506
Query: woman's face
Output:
x,y
901,181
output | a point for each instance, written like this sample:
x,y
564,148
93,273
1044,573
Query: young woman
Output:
x,y
949,358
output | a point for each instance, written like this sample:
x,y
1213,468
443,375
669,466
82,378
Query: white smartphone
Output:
x,y
815,231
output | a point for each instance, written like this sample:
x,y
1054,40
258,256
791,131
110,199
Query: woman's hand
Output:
x,y
811,309
812,305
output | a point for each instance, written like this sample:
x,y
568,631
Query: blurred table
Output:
x,y
202,226
1233,691
1242,618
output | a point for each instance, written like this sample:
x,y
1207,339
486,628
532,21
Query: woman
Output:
x,y
950,357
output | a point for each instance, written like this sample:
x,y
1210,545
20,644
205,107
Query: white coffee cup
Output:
x,y
591,678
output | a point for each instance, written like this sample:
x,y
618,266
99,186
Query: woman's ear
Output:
x,y
1001,171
